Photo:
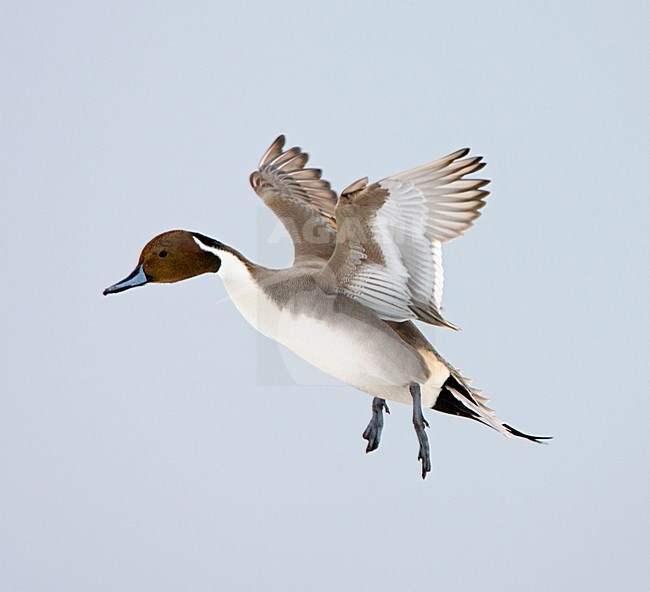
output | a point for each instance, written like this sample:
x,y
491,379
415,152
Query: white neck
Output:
x,y
238,281
233,270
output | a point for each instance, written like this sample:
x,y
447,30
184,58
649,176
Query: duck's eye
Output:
x,y
162,254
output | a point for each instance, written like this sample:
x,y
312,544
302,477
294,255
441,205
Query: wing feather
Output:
x,y
389,249
301,199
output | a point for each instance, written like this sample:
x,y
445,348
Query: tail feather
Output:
x,y
457,397
538,439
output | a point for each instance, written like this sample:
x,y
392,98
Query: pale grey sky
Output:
x,y
152,442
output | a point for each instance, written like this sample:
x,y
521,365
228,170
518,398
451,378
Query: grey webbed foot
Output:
x,y
373,432
419,423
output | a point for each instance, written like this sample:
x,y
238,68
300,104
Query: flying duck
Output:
x,y
366,265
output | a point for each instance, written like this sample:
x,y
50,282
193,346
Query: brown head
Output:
x,y
171,257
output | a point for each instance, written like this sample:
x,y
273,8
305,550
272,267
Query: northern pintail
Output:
x,y
366,265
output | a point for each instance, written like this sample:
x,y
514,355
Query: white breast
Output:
x,y
341,347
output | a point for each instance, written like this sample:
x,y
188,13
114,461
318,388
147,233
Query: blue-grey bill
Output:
x,y
135,279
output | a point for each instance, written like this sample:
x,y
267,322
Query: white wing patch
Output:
x,y
406,214
379,287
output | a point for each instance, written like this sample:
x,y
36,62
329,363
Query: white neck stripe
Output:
x,y
205,247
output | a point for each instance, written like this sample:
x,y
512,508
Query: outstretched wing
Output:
x,y
388,254
302,201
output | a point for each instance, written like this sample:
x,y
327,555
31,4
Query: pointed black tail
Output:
x,y
456,397
538,439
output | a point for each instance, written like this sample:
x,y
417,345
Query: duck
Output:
x,y
367,265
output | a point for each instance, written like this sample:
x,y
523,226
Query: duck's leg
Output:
x,y
419,423
376,425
